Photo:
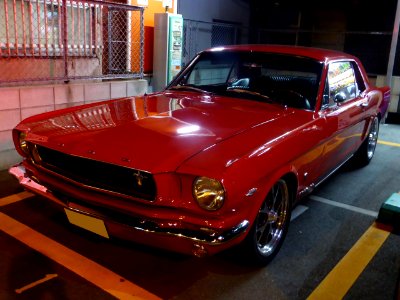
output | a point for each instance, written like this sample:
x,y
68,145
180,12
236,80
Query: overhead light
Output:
x,y
167,3
143,2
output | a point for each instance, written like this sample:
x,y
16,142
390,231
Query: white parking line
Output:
x,y
297,211
345,206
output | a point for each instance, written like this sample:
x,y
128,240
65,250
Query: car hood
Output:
x,y
154,133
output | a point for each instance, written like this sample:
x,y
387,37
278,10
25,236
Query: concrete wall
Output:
x,y
18,103
32,68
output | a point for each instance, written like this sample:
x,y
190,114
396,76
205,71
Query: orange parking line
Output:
x,y
37,282
100,276
338,282
388,143
15,198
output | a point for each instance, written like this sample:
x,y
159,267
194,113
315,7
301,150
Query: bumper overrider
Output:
x,y
197,242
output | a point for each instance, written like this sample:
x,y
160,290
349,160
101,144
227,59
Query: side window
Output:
x,y
341,82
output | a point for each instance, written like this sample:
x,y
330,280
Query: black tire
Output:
x,y
270,226
366,151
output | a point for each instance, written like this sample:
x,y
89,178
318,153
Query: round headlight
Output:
x,y
209,193
22,142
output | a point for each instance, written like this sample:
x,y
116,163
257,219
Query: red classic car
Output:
x,y
219,158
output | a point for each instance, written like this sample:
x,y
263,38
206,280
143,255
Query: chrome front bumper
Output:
x,y
208,237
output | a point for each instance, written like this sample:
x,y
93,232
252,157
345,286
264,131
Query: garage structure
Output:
x,y
287,22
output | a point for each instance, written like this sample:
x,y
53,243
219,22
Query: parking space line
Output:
x,y
388,143
338,282
15,198
297,211
98,275
37,282
345,206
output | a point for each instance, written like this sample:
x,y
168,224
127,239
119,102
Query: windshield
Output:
x,y
286,79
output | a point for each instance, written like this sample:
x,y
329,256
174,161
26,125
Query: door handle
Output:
x,y
363,104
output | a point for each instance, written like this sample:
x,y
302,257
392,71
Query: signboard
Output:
x,y
174,46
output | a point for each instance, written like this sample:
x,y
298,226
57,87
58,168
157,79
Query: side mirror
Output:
x,y
340,97
242,83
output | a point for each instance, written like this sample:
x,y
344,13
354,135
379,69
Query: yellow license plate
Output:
x,y
87,222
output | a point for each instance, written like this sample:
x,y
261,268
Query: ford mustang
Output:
x,y
218,158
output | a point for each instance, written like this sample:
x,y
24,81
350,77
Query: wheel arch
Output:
x,y
289,175
292,182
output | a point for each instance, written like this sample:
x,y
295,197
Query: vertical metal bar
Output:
x,y
73,43
23,27
65,37
95,27
38,27
79,28
15,27
84,29
90,30
46,35
31,34
7,33
109,39
60,32
53,29
393,46
129,41
141,42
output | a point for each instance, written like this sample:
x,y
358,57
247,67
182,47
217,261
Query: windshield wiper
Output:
x,y
187,88
247,92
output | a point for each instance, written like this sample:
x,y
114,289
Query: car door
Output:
x,y
343,112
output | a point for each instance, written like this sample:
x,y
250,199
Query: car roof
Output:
x,y
323,55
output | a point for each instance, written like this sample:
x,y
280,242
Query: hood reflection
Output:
x,y
144,111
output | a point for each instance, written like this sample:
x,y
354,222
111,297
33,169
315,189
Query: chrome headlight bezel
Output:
x,y
22,143
209,193
35,155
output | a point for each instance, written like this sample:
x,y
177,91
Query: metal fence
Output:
x,y
199,35
60,40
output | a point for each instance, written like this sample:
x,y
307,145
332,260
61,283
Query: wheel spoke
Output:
x,y
274,196
261,232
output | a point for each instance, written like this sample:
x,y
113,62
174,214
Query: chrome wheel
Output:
x,y
271,222
372,138
366,151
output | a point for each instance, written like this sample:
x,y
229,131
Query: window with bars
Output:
x,y
44,28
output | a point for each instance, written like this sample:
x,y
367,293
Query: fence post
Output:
x,y
141,70
109,38
65,38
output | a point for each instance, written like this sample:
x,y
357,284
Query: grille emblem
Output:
x,y
139,178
